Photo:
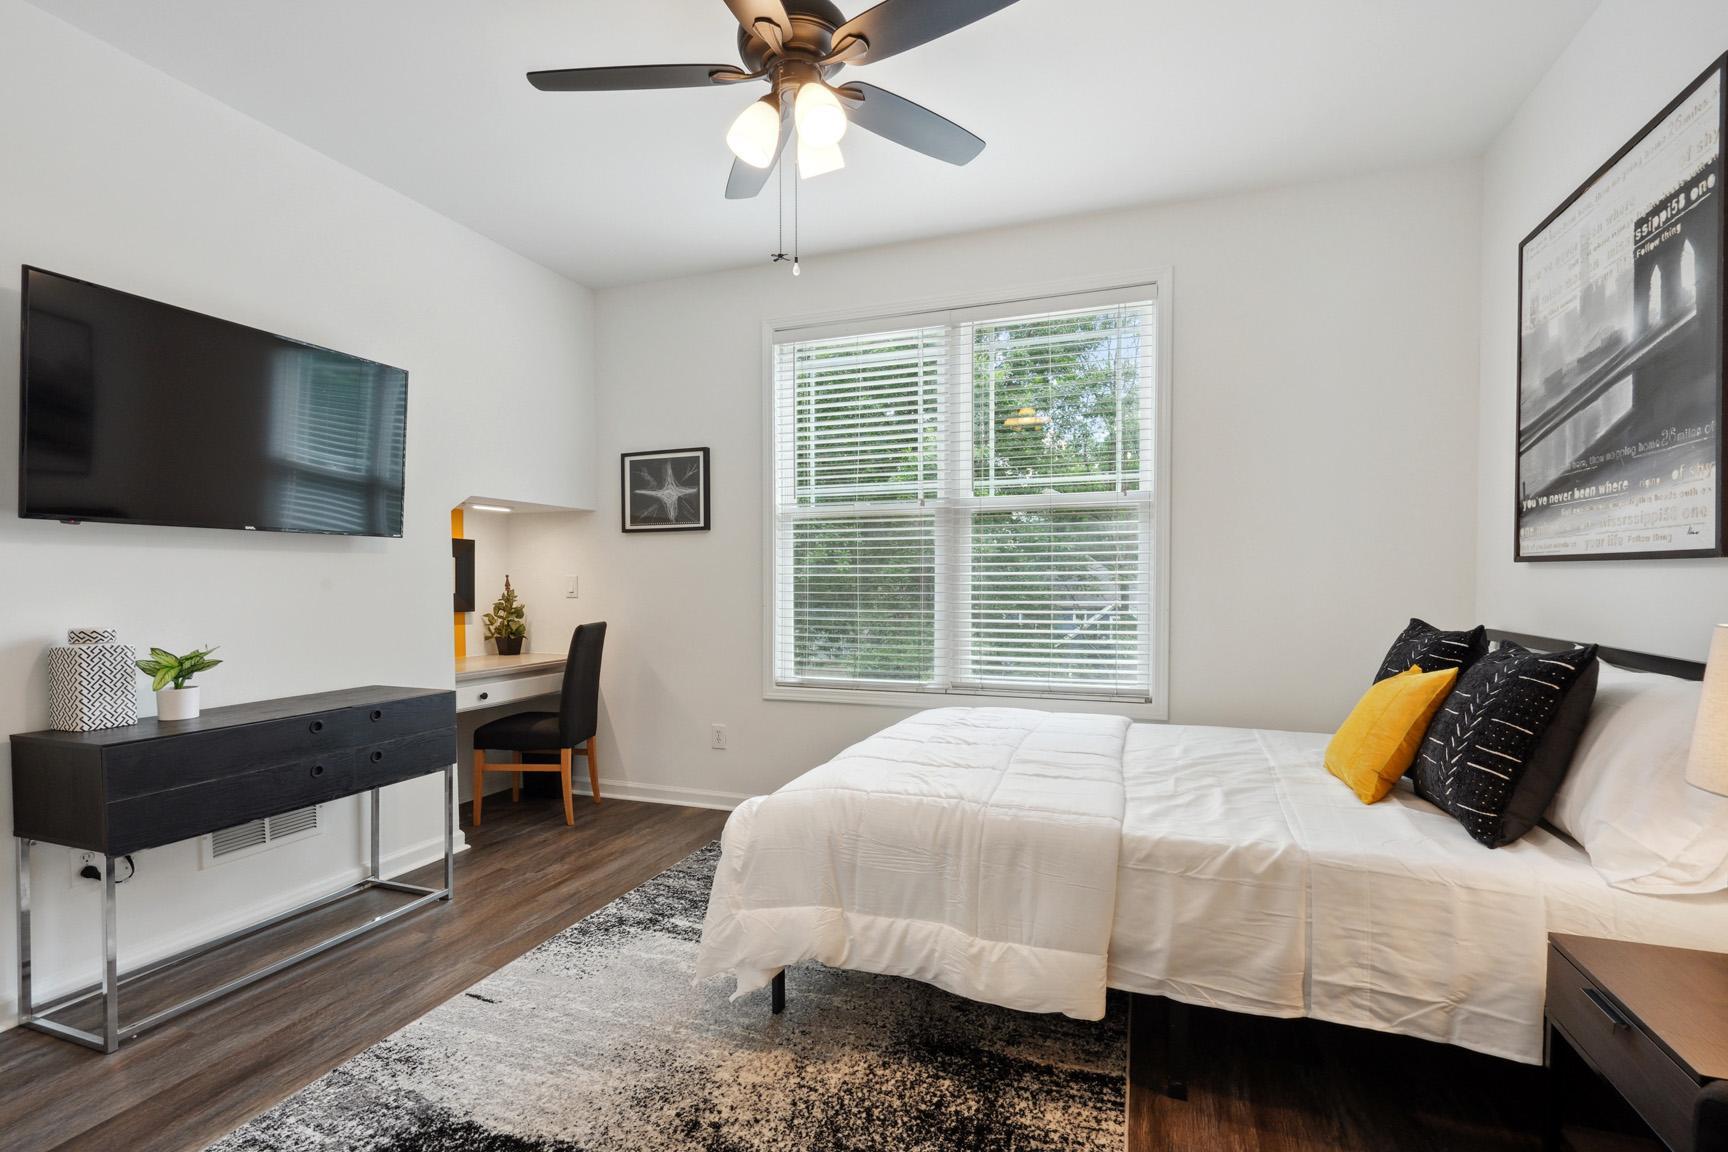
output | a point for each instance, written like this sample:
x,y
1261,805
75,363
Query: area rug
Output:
x,y
597,1041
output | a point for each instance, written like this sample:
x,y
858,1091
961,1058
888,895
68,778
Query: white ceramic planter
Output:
x,y
177,703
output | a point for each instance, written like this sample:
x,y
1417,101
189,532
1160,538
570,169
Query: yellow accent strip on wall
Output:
x,y
461,619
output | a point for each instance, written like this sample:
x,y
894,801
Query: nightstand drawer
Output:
x,y
1603,1033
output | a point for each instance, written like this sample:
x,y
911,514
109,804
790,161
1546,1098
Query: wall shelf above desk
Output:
x,y
488,681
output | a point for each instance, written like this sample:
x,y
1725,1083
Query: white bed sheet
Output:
x,y
1250,879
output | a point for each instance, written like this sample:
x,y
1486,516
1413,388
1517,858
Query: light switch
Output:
x,y
570,587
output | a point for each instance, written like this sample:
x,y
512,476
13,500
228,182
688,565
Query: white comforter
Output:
x,y
1028,858
971,848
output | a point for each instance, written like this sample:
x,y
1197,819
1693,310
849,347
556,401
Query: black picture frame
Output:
x,y
677,507
1604,368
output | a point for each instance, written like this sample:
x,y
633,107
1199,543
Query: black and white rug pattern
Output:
x,y
597,1040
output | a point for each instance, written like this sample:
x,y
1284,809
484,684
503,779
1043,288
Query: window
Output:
x,y
968,502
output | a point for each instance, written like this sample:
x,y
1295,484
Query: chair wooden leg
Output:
x,y
479,782
516,783
564,774
593,771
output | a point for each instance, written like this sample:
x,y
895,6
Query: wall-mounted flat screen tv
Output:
x,y
137,412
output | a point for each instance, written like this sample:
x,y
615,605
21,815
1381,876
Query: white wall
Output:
x,y
1324,444
1625,65
116,173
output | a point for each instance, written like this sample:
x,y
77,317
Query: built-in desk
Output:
x,y
488,681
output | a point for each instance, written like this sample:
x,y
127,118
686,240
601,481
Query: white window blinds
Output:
x,y
965,501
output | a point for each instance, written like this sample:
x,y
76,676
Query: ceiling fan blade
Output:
x,y
746,180
893,26
635,77
751,11
911,125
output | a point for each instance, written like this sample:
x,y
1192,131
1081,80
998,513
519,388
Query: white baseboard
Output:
x,y
394,863
663,794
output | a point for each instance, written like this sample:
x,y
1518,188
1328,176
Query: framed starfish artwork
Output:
x,y
665,491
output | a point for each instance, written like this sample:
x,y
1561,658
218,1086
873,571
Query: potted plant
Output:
x,y
170,678
505,625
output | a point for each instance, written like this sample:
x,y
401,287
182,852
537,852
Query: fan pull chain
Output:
x,y
781,256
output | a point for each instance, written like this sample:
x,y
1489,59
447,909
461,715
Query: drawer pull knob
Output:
x,y
485,695
317,769
316,726
1615,1020
377,713
377,756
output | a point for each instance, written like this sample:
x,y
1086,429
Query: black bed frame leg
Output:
x,y
1176,1051
778,992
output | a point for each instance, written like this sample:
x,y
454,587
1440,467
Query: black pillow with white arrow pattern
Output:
x,y
1502,742
1432,650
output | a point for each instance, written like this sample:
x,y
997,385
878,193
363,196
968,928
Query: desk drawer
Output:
x,y
182,813
491,693
1649,1079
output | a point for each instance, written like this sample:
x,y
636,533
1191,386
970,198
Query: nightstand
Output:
x,y
1651,1021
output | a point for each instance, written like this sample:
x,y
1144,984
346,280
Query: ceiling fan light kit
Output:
x,y
797,47
821,121
755,136
818,159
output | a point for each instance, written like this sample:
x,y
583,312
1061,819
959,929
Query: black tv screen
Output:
x,y
143,413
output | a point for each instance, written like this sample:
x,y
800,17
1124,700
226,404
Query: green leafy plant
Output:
x,y
165,668
507,616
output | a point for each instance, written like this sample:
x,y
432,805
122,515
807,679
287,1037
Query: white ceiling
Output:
x,y
1086,104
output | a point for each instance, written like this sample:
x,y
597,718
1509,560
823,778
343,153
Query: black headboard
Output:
x,y
1619,657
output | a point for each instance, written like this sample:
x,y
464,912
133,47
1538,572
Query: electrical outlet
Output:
x,y
717,736
570,587
81,861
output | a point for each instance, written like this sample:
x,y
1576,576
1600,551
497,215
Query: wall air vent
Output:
x,y
256,835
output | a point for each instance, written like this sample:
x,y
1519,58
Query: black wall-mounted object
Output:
x,y
463,551
138,412
153,783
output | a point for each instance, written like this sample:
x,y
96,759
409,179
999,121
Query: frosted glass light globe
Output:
x,y
821,119
755,136
815,159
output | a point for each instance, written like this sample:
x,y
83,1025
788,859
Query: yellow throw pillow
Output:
x,y
1379,739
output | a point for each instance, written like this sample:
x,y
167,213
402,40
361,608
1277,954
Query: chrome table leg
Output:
x,y
110,962
449,831
377,852
25,1008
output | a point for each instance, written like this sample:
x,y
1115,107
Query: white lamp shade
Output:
x,y
755,136
814,159
821,119
1707,765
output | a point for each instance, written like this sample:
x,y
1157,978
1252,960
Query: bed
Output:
x,y
1032,859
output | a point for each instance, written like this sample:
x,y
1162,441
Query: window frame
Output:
x,y
1099,291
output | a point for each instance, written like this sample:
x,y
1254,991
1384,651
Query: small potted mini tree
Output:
x,y
171,680
505,625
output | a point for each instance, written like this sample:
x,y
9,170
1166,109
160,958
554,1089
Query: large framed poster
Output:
x,y
1620,350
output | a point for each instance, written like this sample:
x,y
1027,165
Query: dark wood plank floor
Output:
x,y
525,878
1262,1085
1255,1085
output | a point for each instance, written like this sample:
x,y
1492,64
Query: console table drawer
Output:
x,y
182,813
165,765
1650,1080
376,765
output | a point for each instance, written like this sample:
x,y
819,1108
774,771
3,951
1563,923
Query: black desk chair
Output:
x,y
559,733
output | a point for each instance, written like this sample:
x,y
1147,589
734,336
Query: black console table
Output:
x,y
123,790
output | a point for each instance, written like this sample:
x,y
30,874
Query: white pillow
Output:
x,y
1626,800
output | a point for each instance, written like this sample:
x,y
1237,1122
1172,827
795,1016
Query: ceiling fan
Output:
x,y
798,46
